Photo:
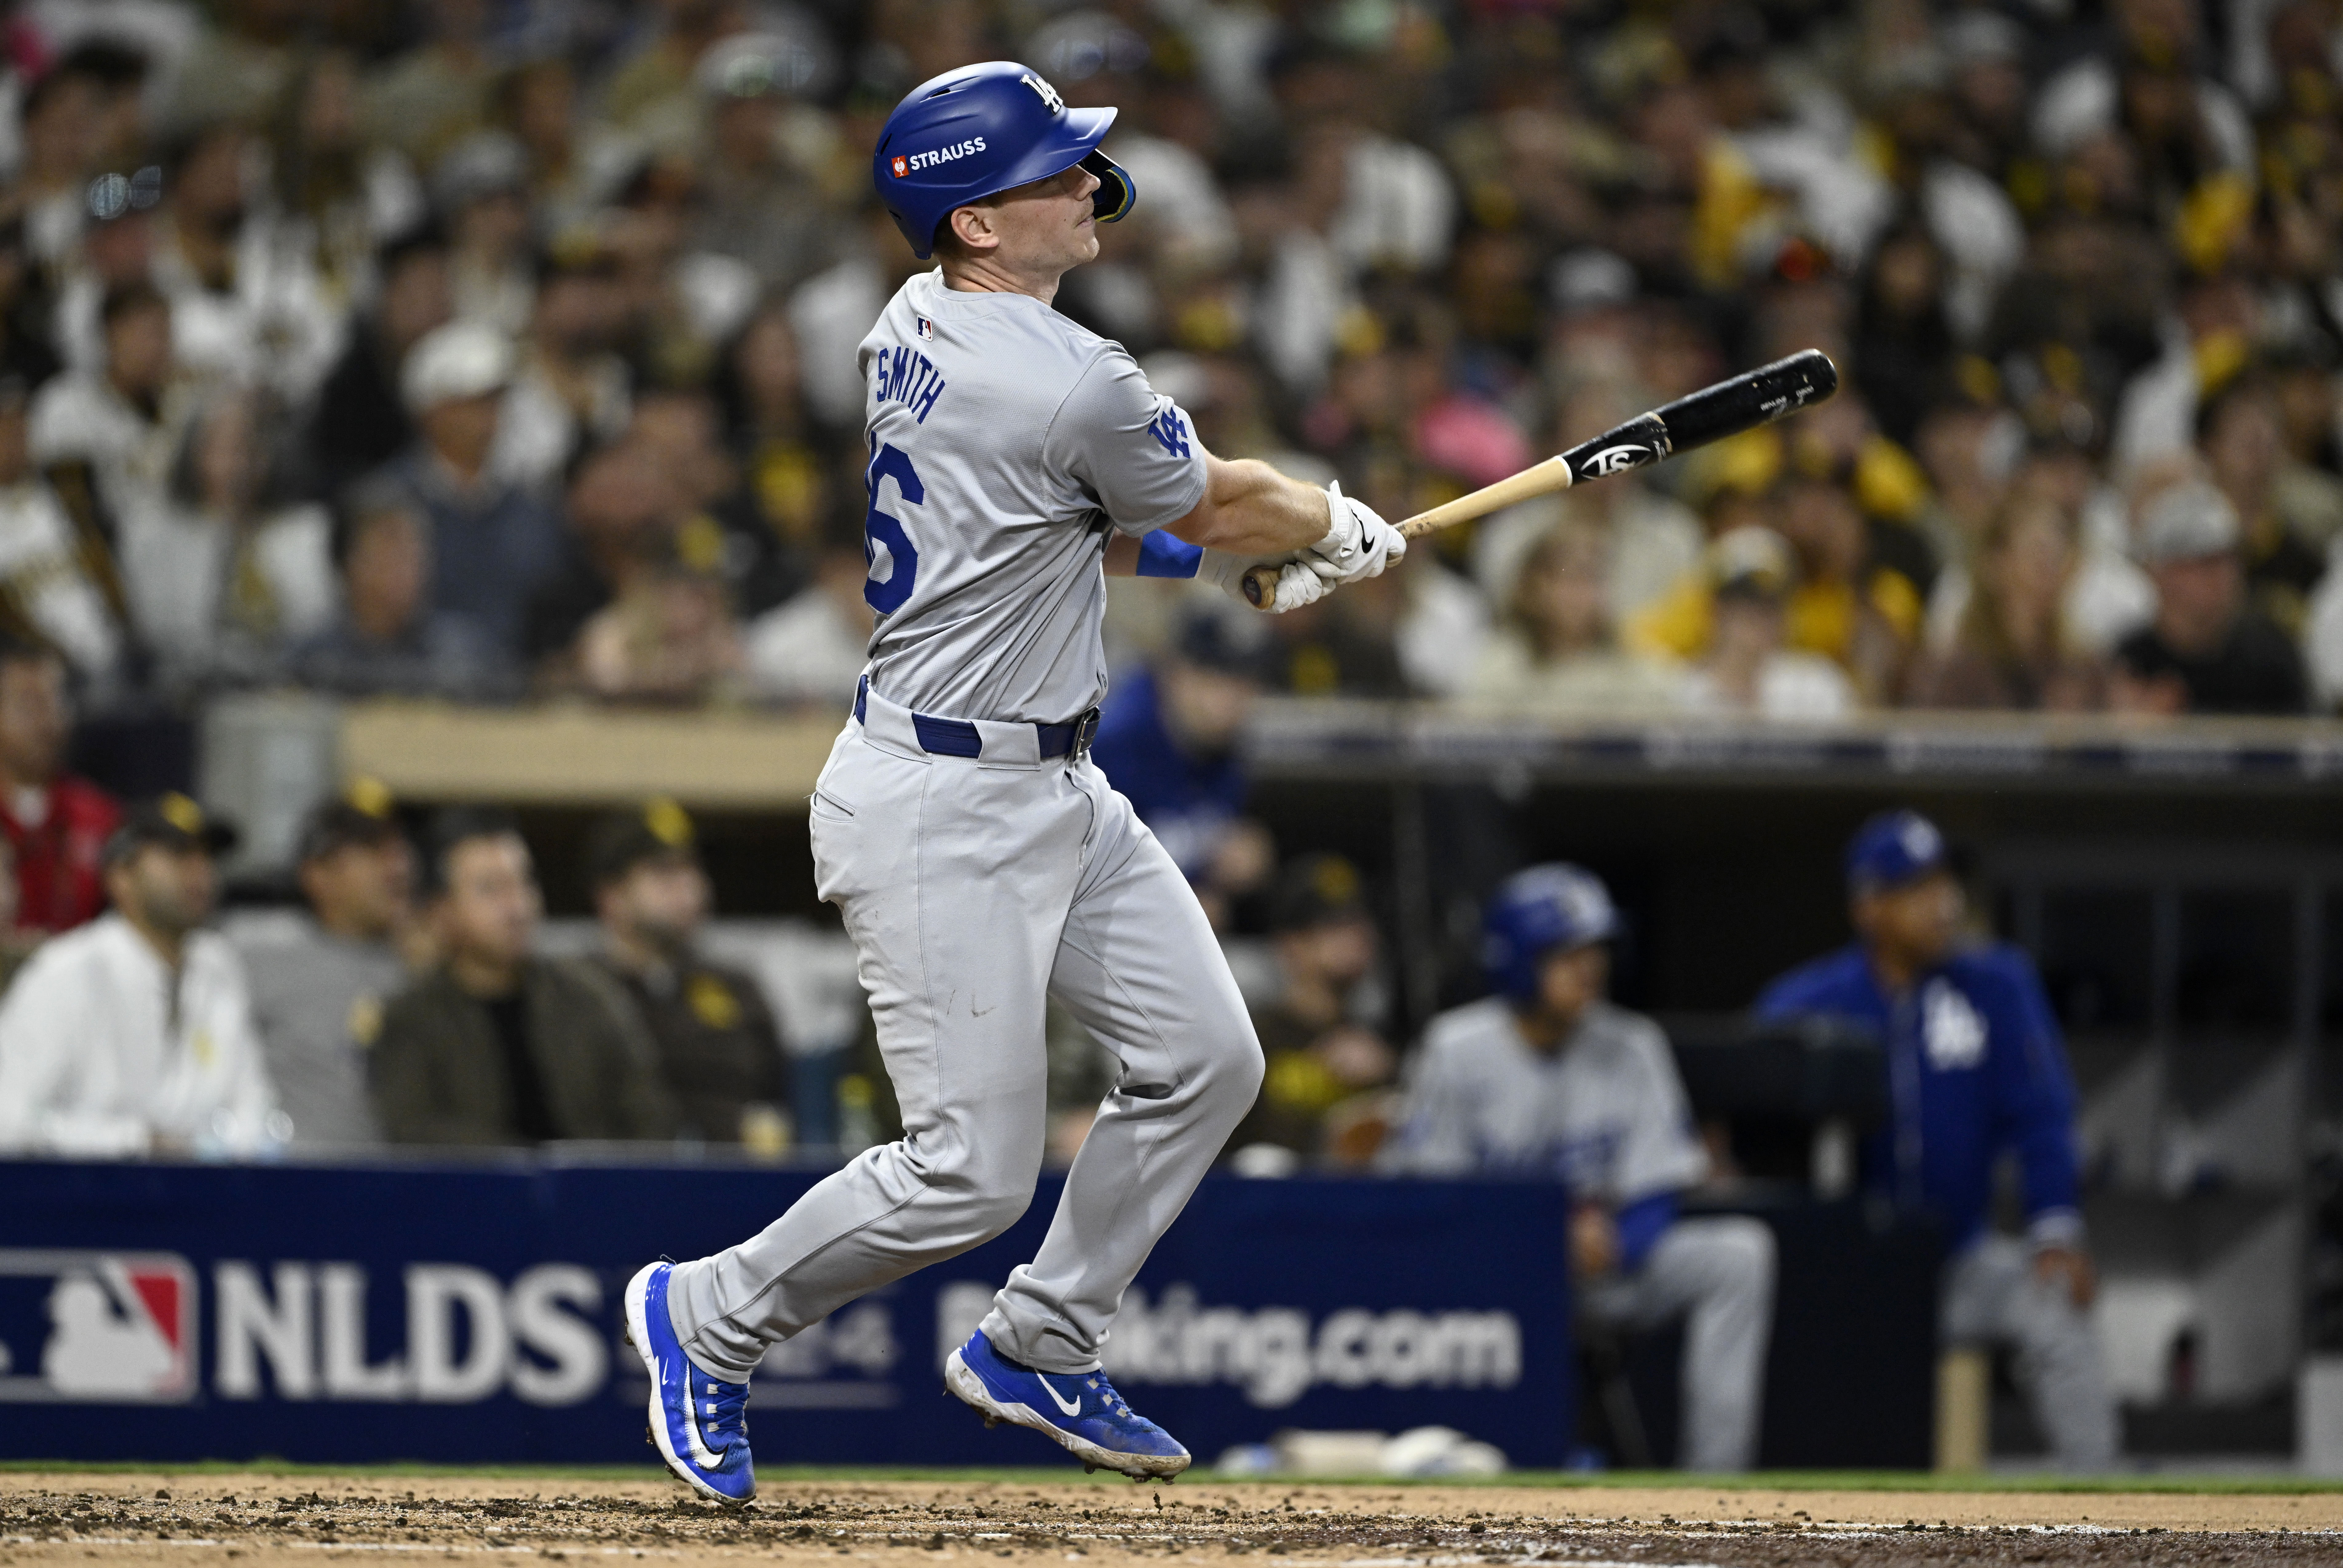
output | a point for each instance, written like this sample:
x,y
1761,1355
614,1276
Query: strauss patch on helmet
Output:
x,y
928,160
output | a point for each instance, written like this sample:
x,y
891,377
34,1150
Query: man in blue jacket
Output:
x,y
1169,741
1975,1070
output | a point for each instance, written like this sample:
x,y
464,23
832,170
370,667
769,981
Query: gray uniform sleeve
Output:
x,y
1662,1153
1127,445
1434,1136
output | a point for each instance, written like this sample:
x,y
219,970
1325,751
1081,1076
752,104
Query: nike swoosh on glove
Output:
x,y
1359,544
1297,584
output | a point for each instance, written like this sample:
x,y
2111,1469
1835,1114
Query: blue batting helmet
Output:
x,y
979,131
1536,913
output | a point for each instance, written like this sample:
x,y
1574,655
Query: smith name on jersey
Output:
x,y
1006,443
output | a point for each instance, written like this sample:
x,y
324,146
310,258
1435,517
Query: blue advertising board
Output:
x,y
469,1314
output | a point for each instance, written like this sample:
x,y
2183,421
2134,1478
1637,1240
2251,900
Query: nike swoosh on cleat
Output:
x,y
1066,1406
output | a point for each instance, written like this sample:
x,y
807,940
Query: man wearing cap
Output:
x,y
320,983
1320,1054
1549,1078
1979,1070
717,1047
755,206
2209,651
133,1035
493,543
499,1045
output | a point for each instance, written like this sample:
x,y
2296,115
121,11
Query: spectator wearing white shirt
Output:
x,y
221,579
569,387
133,1035
811,649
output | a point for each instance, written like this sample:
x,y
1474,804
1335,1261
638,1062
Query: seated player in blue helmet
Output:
x,y
1979,1070
1547,1076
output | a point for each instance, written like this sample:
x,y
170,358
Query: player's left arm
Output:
x,y
1252,515
1191,513
1249,508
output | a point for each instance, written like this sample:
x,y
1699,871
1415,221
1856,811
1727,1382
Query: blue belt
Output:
x,y
959,738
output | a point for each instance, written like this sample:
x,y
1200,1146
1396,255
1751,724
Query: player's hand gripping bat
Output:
x,y
1756,397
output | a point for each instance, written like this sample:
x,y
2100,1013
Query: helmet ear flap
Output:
x,y
1117,194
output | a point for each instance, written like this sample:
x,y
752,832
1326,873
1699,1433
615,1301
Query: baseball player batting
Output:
x,y
982,861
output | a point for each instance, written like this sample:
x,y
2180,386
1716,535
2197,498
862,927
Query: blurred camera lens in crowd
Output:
x,y
1076,47
765,64
112,194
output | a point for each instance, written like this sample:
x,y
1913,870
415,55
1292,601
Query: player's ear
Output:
x,y
972,226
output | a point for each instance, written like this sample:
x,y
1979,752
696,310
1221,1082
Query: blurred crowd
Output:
x,y
486,348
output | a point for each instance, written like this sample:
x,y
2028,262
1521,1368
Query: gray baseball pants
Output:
x,y
1717,1275
1991,1297
974,889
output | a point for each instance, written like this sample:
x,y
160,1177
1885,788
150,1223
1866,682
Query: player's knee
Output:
x,y
1744,1253
994,1206
1243,1065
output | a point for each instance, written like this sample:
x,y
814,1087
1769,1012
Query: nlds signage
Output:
x,y
342,1314
468,1335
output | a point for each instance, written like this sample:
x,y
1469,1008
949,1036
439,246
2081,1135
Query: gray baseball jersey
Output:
x,y
1005,442
1607,1112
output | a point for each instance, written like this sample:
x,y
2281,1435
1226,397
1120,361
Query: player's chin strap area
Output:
x,y
999,744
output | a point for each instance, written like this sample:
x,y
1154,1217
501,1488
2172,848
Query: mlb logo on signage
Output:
x,y
96,1327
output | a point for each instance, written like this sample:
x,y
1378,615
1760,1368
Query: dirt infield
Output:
x,y
262,1521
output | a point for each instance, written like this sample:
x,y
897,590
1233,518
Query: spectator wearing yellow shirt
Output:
x,y
1862,614
1837,600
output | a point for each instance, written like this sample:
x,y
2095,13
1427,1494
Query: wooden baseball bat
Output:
x,y
1754,398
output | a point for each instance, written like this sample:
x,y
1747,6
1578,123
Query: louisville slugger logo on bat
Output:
x,y
1756,397
1619,459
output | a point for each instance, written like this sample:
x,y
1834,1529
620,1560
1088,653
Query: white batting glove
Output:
x,y
1358,544
1297,584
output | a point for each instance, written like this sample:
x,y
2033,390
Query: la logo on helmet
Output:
x,y
1056,105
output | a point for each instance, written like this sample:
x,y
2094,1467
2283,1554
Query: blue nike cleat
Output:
x,y
698,1423
1080,1412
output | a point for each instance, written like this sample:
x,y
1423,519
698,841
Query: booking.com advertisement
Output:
x,y
471,1314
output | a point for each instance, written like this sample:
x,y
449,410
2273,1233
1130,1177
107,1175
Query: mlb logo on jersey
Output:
x,y
108,1328
926,329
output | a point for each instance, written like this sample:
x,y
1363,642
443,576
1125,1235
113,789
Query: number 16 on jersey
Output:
x,y
890,462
